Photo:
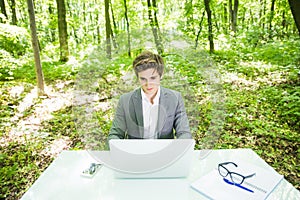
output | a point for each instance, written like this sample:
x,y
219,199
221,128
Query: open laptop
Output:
x,y
148,158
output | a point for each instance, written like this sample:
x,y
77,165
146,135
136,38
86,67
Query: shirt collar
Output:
x,y
156,98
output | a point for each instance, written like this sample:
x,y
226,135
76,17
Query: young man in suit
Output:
x,y
151,111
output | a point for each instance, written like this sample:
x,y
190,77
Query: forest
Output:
x,y
64,65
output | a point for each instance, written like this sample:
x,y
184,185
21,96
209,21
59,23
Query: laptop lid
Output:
x,y
149,158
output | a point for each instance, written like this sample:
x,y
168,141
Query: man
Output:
x,y
151,111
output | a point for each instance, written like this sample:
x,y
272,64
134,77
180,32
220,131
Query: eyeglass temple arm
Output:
x,y
225,163
250,175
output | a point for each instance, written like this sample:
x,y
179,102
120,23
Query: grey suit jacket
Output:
x,y
172,118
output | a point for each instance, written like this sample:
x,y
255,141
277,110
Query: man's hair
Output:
x,y
147,60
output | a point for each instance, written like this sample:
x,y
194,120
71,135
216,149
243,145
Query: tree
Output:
x,y
225,17
271,17
295,8
262,12
200,29
62,30
128,30
233,14
36,50
115,26
3,10
210,31
13,11
98,28
155,16
113,17
154,25
52,28
107,29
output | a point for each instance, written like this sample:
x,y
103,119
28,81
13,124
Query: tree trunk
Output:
x,y
113,18
3,10
154,26
233,14
216,21
98,29
225,18
62,30
85,24
107,29
155,15
230,13
209,21
52,30
260,15
284,24
295,8
36,50
128,29
251,19
13,11
271,17
115,27
200,29
157,24
113,39
242,21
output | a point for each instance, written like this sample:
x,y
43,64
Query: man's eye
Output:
x,y
142,79
153,78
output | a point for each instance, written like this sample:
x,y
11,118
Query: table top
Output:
x,y
63,180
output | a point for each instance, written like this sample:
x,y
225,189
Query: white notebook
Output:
x,y
259,186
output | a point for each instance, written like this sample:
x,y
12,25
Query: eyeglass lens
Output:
x,y
223,171
236,178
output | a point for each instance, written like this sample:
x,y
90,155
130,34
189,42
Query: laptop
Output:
x,y
148,158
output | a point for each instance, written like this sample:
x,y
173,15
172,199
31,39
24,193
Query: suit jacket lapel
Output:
x,y
138,110
162,112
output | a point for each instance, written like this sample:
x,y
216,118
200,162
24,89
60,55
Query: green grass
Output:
x,y
51,70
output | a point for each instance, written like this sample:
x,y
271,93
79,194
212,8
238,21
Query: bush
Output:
x,y
7,65
13,39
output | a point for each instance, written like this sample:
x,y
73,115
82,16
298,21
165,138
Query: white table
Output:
x,y
62,180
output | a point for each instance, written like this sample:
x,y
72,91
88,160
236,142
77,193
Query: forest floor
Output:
x,y
26,126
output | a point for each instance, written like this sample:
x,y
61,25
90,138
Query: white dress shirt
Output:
x,y
150,115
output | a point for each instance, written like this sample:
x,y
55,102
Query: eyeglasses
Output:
x,y
235,177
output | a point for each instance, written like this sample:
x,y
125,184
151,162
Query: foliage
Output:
x,y
62,125
14,43
20,167
14,39
285,100
253,122
7,65
20,160
263,103
51,72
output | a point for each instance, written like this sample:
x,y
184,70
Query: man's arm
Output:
x,y
181,122
118,129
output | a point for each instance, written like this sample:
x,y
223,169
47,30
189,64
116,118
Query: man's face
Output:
x,y
149,80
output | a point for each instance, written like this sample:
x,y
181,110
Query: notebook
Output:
x,y
151,158
258,187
